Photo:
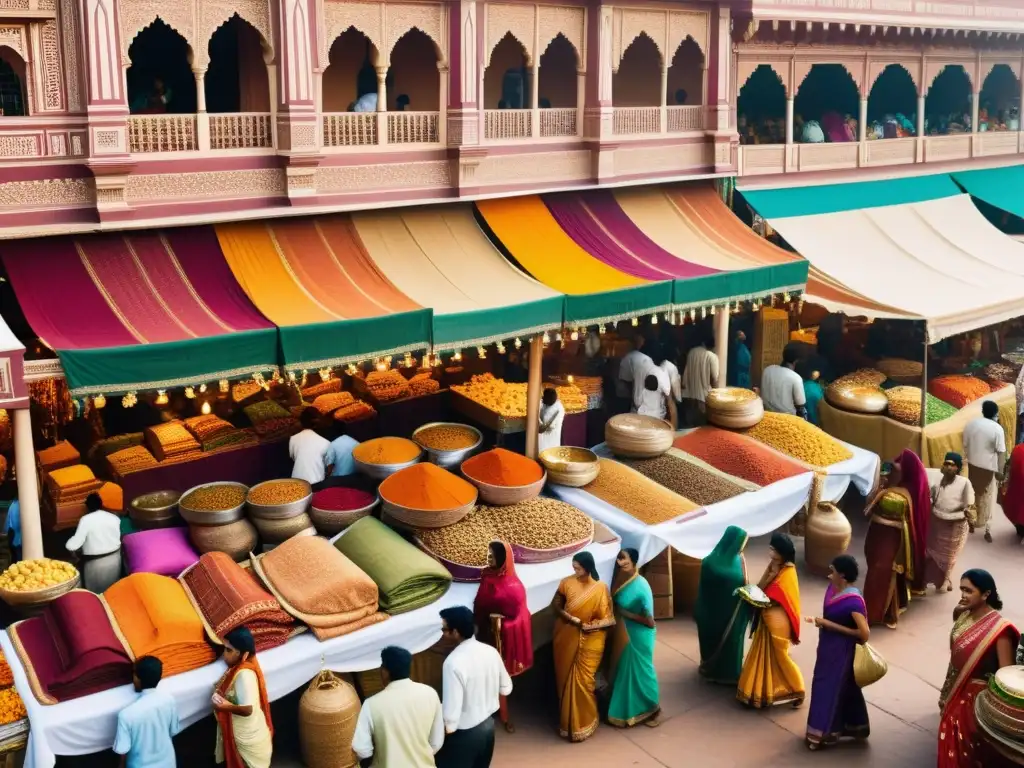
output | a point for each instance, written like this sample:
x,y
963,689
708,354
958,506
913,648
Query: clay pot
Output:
x,y
827,536
685,581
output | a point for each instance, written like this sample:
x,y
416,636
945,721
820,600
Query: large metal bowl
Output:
x,y
383,471
279,511
449,459
221,517
155,510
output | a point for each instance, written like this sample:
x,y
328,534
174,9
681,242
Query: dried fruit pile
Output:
x,y
214,498
278,492
387,385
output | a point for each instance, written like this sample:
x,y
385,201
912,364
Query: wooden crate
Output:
x,y
686,580
658,573
771,334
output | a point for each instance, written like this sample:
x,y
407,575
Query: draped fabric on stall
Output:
x,y
874,239
139,310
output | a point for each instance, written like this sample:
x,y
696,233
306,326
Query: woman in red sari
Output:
x,y
503,618
241,706
895,546
1013,499
981,643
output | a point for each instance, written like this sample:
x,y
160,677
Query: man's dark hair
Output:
x,y
989,409
707,337
846,566
309,417
550,396
93,502
460,619
790,356
397,661
149,670
340,429
651,383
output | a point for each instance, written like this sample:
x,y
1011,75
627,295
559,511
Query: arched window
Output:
x,y
761,108
638,81
415,84
12,84
892,105
507,78
350,74
557,75
826,106
686,75
1000,101
237,78
160,78
947,107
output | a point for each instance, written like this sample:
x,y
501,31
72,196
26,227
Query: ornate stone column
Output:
x,y
717,85
599,112
297,119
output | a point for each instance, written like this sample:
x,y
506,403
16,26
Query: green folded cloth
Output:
x,y
406,577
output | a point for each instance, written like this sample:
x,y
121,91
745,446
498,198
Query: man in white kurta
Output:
x,y
98,542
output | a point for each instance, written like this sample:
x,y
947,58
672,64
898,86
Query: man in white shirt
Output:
x,y
146,727
98,543
366,103
699,376
402,726
473,679
782,388
309,450
985,451
629,370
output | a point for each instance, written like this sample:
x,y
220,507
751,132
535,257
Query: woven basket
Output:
x,y
420,518
276,531
328,711
459,571
235,539
506,496
39,597
332,521
638,437
527,555
574,467
734,408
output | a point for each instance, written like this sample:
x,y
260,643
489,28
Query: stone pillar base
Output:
x,y
463,128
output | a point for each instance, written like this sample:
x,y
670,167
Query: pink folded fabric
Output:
x,y
165,551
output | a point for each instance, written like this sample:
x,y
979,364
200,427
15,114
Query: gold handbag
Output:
x,y
868,665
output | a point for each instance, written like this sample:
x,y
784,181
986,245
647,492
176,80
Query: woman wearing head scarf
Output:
x,y
241,706
769,675
896,541
721,615
503,618
583,611
952,509
634,697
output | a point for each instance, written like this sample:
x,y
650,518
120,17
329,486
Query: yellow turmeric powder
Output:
x,y
427,487
386,450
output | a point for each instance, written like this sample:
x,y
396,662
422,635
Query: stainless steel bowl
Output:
x,y
155,510
279,511
221,517
383,471
449,459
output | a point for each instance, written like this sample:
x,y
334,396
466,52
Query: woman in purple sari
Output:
x,y
837,704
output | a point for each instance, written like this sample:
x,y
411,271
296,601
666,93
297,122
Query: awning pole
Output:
x,y
722,343
28,486
924,387
533,390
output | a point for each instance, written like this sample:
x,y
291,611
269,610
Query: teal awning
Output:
x,y
620,304
740,285
1002,188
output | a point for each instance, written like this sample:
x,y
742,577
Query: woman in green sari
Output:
x,y
634,693
722,616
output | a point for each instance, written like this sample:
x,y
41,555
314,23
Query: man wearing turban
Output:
x,y
952,514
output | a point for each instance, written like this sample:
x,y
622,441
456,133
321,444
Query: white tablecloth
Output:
x,y
861,470
87,725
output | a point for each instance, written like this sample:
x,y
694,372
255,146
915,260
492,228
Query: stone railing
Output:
x,y
559,122
503,124
162,133
350,129
636,121
413,127
684,119
241,130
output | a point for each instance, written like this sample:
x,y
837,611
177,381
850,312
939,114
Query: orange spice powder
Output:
x,y
427,487
504,468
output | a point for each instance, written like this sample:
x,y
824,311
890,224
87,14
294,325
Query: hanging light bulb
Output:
x,y
636,321
100,401
712,310
381,365
482,353
457,356
693,314
501,348
437,361
407,361
600,330
545,339
292,376
558,336
190,393
575,335
785,297
351,370
161,397
517,343
206,408
569,379
654,319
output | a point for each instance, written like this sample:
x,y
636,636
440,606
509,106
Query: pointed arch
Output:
x,y
137,17
558,83
506,77
252,12
686,73
637,82
347,76
413,73
159,74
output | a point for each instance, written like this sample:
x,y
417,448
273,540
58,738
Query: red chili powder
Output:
x,y
737,455
342,499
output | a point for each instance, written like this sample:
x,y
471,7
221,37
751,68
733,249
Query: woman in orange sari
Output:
x,y
769,675
241,706
981,643
583,611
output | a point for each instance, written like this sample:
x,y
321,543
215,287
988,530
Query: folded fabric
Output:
x,y
63,454
227,596
234,439
406,577
319,586
71,650
153,616
110,445
132,459
169,440
166,551
204,427
71,484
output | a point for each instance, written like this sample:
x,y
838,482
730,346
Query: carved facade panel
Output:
x,y
854,65
14,37
267,182
69,26
877,67
934,68
428,18
692,24
630,23
682,159
782,67
357,178
136,15
519,20
338,17
569,22
46,193
20,146
53,86
547,167
214,13
987,65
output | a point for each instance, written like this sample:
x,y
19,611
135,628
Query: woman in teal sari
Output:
x,y
634,695
722,616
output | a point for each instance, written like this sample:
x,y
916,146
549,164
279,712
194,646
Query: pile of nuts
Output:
x,y
387,385
423,384
865,377
905,406
32,575
446,437
278,492
214,498
539,523
798,438
353,412
509,400
898,368
332,401
689,480
640,497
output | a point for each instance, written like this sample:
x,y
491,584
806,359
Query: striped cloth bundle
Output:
x,y
333,401
171,440
323,388
63,454
70,485
129,460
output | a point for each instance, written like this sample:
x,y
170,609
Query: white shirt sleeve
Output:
x,y
123,740
362,739
452,695
1000,439
291,447
799,398
505,688
713,364
77,541
437,728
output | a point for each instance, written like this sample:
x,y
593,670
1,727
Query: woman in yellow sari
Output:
x,y
769,675
583,610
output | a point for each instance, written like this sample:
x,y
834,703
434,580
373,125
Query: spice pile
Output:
x,y
63,454
278,492
12,708
865,377
213,433
427,487
388,385
959,391
243,390
271,420
323,388
32,575
131,459
800,439
332,401
342,499
898,368
636,495
356,411
905,406
214,498
1001,372
446,437
386,450
423,384
737,455
539,523
503,468
687,478
509,400
6,676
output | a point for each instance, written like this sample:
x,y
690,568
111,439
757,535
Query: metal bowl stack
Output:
x,y
219,530
734,408
278,508
448,459
158,509
999,711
